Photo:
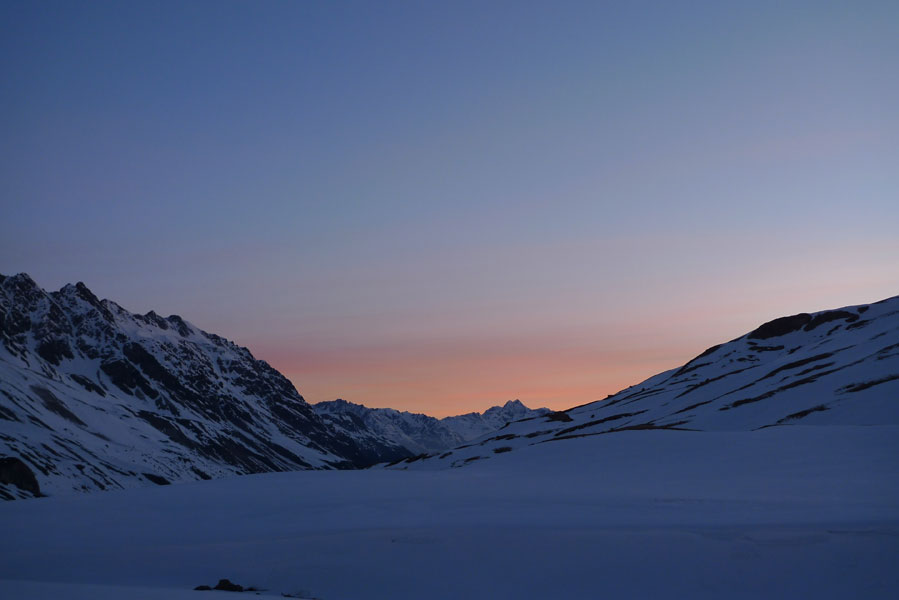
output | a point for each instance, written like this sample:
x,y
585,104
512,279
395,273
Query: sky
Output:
x,y
439,207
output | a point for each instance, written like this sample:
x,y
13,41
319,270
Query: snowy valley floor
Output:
x,y
785,512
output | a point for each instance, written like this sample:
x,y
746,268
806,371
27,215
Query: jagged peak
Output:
x,y
22,276
80,291
341,405
113,306
152,318
21,281
342,402
183,328
510,406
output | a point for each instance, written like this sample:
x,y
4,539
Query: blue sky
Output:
x,y
442,206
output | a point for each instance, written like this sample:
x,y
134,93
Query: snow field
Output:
x,y
784,512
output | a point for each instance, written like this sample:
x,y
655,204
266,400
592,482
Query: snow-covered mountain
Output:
x,y
474,425
420,433
836,367
95,397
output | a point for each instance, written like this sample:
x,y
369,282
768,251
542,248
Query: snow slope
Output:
x,y
783,512
417,432
838,367
95,397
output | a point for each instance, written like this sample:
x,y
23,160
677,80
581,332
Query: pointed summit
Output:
x,y
20,282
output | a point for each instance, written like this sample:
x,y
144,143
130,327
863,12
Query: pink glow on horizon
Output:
x,y
557,369
449,386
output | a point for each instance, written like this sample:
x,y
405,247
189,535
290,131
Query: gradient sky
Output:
x,y
441,206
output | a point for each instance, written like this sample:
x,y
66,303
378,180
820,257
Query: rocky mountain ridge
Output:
x,y
94,397
418,432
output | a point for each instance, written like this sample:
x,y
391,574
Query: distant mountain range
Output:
x,y
835,367
94,397
420,433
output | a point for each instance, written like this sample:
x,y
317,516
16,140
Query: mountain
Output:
x,y
94,397
474,425
420,433
835,367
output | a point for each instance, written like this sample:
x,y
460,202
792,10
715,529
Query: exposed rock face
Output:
x,y
95,397
226,586
15,472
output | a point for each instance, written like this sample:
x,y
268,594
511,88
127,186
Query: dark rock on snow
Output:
x,y
226,586
15,472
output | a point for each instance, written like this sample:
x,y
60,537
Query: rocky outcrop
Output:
x,y
15,472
